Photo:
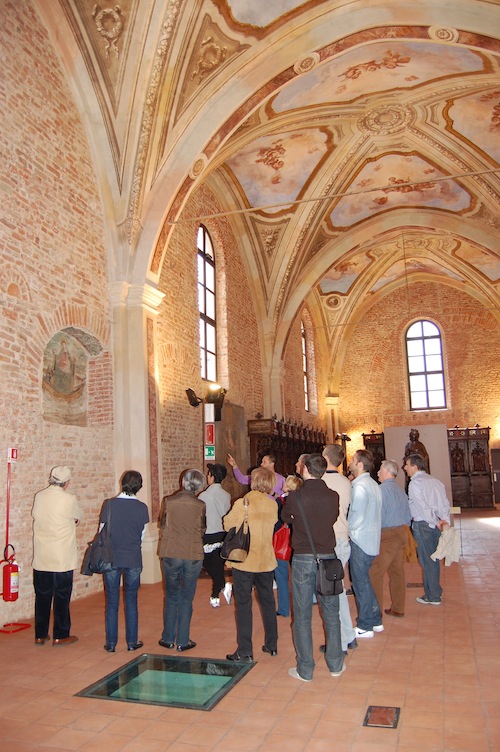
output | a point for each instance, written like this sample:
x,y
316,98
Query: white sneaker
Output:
x,y
378,628
339,673
227,592
215,602
363,633
295,675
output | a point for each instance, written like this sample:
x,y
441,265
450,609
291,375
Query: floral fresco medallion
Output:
x,y
382,66
397,181
273,170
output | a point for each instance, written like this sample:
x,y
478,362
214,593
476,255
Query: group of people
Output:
x,y
362,522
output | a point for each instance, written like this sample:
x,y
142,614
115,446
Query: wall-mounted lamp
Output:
x,y
215,397
194,401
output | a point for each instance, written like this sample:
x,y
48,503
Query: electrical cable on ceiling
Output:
x,y
391,188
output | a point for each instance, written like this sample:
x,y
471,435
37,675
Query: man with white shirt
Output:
x,y
334,455
430,511
364,522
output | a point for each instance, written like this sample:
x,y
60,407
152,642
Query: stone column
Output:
x,y
135,309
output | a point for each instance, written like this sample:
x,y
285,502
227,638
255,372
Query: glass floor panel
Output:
x,y
196,683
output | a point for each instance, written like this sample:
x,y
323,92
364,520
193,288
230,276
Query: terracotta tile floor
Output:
x,y
441,666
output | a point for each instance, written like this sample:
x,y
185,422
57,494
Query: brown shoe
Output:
x,y
64,641
41,640
390,612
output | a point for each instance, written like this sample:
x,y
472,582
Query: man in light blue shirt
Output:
x,y
364,523
430,510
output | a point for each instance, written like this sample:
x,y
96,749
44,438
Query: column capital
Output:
x,y
135,296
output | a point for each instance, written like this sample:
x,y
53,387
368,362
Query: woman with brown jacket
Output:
x,y
258,568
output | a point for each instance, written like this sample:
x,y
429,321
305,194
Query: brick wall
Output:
x,y
178,348
52,276
373,389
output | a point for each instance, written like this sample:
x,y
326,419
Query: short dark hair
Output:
x,y
217,471
131,482
316,465
366,458
417,461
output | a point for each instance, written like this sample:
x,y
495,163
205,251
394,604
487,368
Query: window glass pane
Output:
x,y
436,399
434,363
418,400
430,329
209,250
210,277
210,300
435,381
415,330
416,365
210,337
201,269
202,334
211,369
199,239
432,346
417,384
201,299
415,347
202,365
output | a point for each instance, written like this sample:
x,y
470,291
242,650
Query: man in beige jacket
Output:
x,y
56,514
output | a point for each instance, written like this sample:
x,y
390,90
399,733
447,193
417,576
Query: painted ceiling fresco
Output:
x,y
260,12
389,65
332,128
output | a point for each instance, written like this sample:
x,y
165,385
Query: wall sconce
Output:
x,y
194,401
215,397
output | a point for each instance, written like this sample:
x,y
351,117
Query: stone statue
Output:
x,y
415,446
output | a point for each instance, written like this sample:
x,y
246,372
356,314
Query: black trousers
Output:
x,y
213,564
52,588
242,589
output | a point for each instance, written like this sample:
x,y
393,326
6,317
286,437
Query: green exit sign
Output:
x,y
209,451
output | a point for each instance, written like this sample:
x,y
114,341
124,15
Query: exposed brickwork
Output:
x,y
373,389
53,275
239,366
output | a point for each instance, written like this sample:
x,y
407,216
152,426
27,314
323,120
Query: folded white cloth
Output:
x,y
448,546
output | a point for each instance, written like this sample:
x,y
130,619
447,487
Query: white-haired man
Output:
x,y
396,517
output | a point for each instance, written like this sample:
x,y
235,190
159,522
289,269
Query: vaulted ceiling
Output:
x,y
354,145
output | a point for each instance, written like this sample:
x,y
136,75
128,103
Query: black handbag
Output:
x,y
99,556
236,544
330,570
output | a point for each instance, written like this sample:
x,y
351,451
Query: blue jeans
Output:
x,y
347,633
180,577
131,581
281,577
427,539
303,589
369,615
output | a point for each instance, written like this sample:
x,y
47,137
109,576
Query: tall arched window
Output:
x,y
304,365
424,354
207,305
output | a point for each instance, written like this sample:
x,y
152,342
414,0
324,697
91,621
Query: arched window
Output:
x,y
424,354
207,305
304,365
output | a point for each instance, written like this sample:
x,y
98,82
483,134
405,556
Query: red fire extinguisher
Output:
x,y
10,575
